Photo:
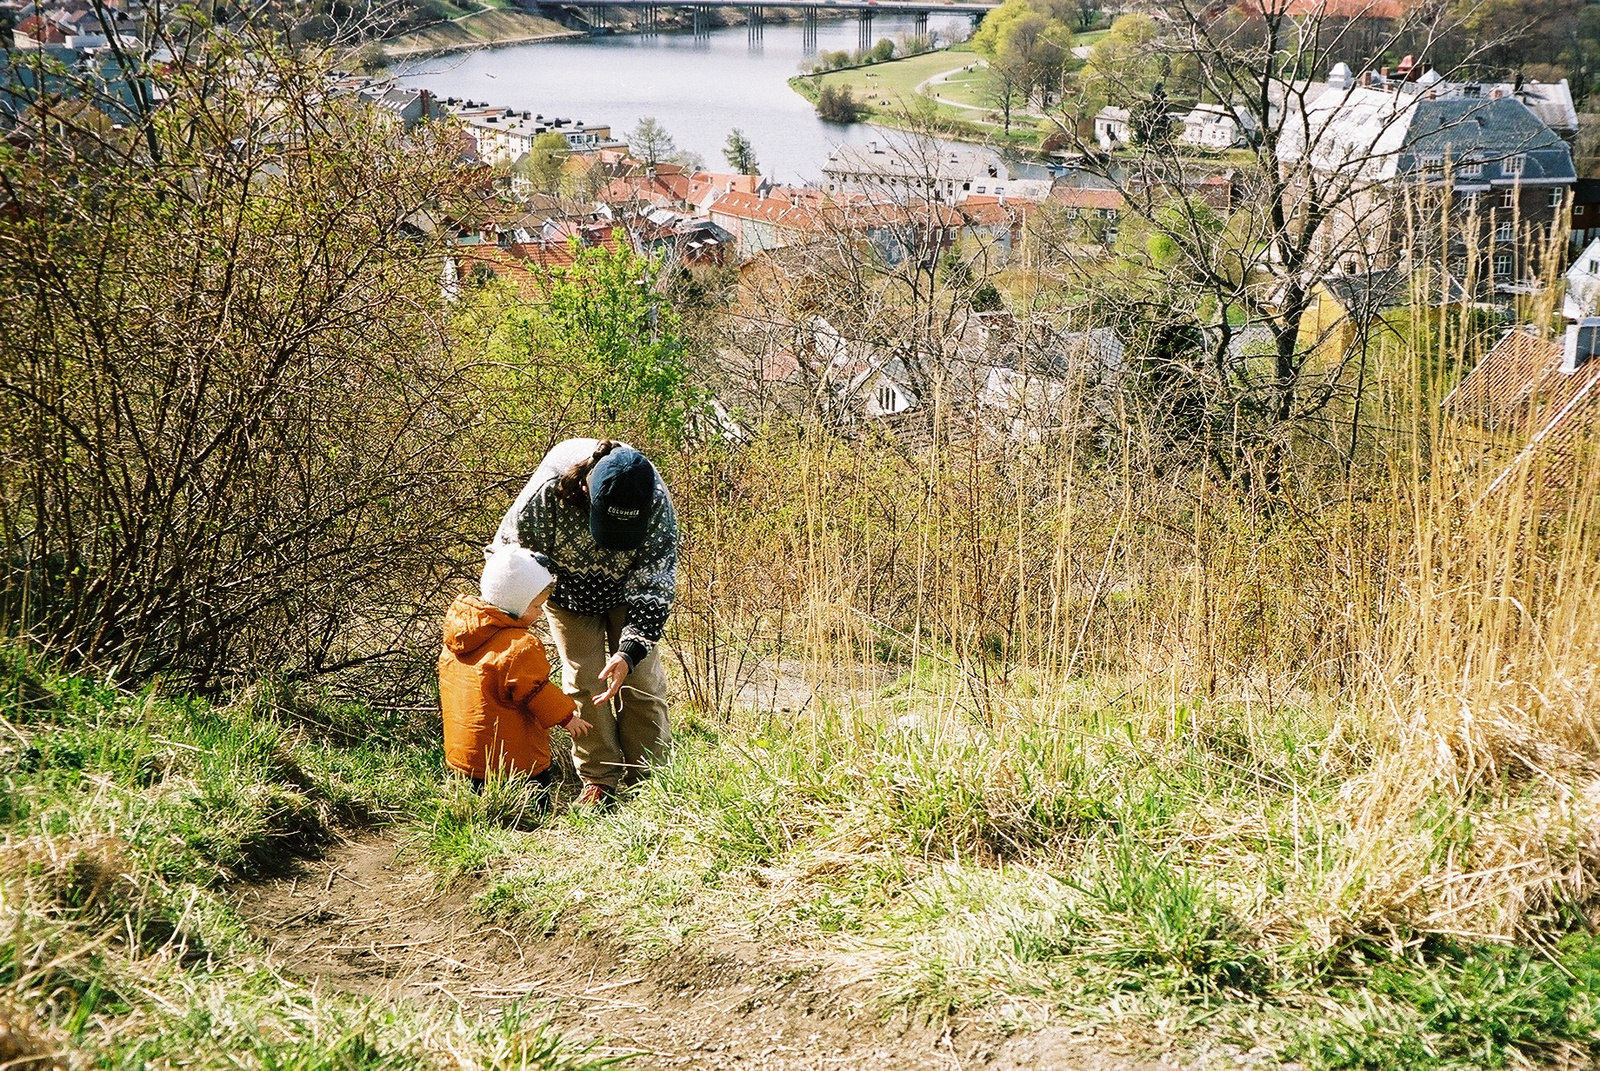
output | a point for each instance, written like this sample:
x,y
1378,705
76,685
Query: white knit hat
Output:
x,y
513,578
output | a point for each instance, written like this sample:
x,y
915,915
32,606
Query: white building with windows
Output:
x,y
1111,129
1506,175
921,170
504,135
1217,127
1583,284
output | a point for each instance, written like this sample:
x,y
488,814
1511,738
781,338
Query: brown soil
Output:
x,y
365,922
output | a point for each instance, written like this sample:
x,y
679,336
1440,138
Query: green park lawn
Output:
x,y
888,89
957,83
900,77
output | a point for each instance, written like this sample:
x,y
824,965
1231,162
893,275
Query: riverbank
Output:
x,y
908,93
699,88
481,29
945,86
500,26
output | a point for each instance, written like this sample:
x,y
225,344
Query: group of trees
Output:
x,y
1027,50
885,50
838,104
244,429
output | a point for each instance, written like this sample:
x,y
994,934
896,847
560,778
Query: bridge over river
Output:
x,y
647,13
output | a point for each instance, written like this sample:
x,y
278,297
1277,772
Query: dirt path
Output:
x,y
363,922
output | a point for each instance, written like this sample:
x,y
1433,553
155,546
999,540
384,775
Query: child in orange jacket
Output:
x,y
494,679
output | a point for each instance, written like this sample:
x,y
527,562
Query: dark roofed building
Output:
x,y
1500,173
1585,212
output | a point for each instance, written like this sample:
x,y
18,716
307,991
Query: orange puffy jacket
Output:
x,y
495,691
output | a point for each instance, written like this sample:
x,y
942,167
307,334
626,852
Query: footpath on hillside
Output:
x,y
365,921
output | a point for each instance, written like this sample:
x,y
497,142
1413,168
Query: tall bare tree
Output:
x,y
1319,186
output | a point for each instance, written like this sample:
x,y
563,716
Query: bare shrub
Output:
x,y
226,408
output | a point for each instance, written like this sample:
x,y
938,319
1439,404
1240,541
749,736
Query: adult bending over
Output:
x,y
597,515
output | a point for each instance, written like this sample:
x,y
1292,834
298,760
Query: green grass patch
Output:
x,y
124,816
1086,867
1150,869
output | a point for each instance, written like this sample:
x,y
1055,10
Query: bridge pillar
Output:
x,y
864,23
808,31
702,20
757,23
920,26
650,20
597,17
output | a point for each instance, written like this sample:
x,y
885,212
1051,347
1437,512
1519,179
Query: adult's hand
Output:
x,y
614,673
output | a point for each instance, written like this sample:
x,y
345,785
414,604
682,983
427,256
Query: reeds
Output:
x,y
1425,616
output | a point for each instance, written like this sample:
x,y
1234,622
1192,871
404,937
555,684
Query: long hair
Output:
x,y
572,486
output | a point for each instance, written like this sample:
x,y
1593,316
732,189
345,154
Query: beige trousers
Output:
x,y
630,733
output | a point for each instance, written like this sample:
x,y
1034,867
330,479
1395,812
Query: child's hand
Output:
x,y
578,727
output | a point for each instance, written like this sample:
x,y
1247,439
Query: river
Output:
x,y
698,88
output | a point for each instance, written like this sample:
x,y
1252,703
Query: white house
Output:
x,y
1583,284
882,391
1213,126
1111,128
917,170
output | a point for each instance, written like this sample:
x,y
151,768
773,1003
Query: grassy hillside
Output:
x,y
127,821
1160,715
475,30
1087,865
934,86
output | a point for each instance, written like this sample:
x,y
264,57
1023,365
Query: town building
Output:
x,y
706,186
761,224
1091,211
645,188
1111,129
1585,226
679,239
996,225
1216,127
1487,166
405,107
921,170
1539,393
1583,284
505,135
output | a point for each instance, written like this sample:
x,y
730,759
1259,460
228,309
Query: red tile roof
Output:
x,y
1088,197
1519,388
520,263
665,185
41,30
984,211
1341,9
778,211
706,186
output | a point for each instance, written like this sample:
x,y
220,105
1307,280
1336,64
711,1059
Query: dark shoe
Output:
x,y
599,797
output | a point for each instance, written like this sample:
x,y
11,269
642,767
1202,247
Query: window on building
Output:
x,y
1432,167
1558,197
1470,169
1594,267
1502,264
1513,165
1508,198
885,399
1467,203
1504,232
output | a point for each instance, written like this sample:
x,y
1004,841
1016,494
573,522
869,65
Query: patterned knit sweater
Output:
x,y
589,578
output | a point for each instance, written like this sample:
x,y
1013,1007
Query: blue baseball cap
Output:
x,y
622,495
